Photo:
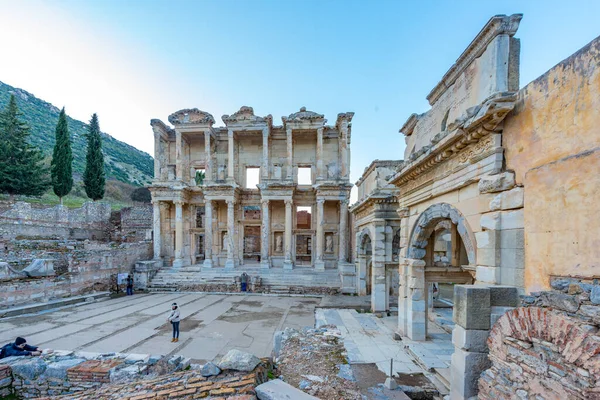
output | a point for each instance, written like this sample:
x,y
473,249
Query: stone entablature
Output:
x,y
224,221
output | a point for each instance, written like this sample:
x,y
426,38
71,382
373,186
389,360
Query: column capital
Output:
x,y
289,202
178,202
403,212
230,201
264,201
288,131
265,131
344,202
320,130
320,201
230,133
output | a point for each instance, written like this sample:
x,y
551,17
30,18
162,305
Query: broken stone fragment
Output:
x,y
239,361
209,369
497,183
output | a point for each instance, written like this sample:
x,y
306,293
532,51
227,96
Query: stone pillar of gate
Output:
x,y
378,284
208,233
411,311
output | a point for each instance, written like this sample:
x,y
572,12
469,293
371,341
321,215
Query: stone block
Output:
x,y
210,369
488,257
560,301
472,307
279,390
239,361
470,339
512,238
595,295
28,368
505,296
512,219
487,274
486,239
512,258
497,312
512,276
59,369
508,200
497,183
465,370
490,221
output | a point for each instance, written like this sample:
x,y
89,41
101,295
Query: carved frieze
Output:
x,y
191,116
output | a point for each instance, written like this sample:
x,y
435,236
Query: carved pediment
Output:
x,y
245,115
191,116
303,115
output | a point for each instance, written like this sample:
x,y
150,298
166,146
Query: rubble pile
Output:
x,y
315,361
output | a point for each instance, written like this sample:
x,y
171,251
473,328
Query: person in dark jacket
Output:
x,y
20,348
244,281
129,285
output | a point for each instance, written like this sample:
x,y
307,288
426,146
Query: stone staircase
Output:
x,y
274,280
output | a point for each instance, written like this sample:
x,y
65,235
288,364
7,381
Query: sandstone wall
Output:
x,y
552,142
549,348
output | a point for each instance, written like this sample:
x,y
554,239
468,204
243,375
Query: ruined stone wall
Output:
x,y
91,221
548,348
81,267
552,142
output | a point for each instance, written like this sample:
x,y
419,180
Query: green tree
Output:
x,y
141,195
93,177
62,159
21,168
200,176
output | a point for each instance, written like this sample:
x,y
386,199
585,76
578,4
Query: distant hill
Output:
x,y
122,161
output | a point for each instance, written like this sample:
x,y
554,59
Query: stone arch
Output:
x,y
364,236
427,222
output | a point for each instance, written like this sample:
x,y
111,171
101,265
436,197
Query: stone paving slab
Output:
x,y
211,324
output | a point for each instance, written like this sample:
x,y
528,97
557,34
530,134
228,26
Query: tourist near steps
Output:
x,y
292,249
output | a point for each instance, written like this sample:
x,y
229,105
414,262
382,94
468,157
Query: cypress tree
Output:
x,y
21,165
62,159
93,177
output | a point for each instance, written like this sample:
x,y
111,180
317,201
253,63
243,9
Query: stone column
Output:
x,y
265,163
344,151
208,166
208,233
178,262
230,159
290,154
320,263
416,324
230,263
265,261
178,156
378,275
288,263
343,246
320,174
157,155
156,236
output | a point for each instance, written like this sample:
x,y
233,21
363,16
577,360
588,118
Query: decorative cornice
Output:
x,y
374,198
475,124
160,127
396,164
343,117
497,25
191,116
409,125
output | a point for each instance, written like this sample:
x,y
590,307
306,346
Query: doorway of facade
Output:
x,y
303,250
252,243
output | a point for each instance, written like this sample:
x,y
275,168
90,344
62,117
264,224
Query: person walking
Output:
x,y
174,320
129,285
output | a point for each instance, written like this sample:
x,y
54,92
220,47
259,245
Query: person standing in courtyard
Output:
x,y
244,281
174,320
129,285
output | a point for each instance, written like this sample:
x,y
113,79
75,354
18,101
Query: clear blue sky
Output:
x,y
131,61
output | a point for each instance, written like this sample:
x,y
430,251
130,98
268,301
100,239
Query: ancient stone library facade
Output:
x,y
252,193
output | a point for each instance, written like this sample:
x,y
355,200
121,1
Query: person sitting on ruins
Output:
x,y
19,348
174,320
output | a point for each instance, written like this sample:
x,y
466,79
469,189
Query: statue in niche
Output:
x,y
226,242
329,244
332,171
277,171
222,172
278,244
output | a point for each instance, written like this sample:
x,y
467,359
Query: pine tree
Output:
x,y
93,177
62,159
21,169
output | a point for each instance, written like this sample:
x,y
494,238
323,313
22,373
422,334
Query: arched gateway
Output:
x,y
441,250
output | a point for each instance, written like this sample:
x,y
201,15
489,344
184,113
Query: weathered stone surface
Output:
x,y
497,183
472,307
279,390
210,369
465,370
470,340
59,369
508,200
595,295
560,301
28,368
239,361
506,296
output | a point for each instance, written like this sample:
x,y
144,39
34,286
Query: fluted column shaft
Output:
x,y
156,235
208,166
265,236
320,263
178,234
343,246
208,233
288,263
320,172
290,155
230,160
265,163
230,263
178,156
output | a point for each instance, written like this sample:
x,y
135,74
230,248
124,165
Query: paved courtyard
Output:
x,y
211,324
